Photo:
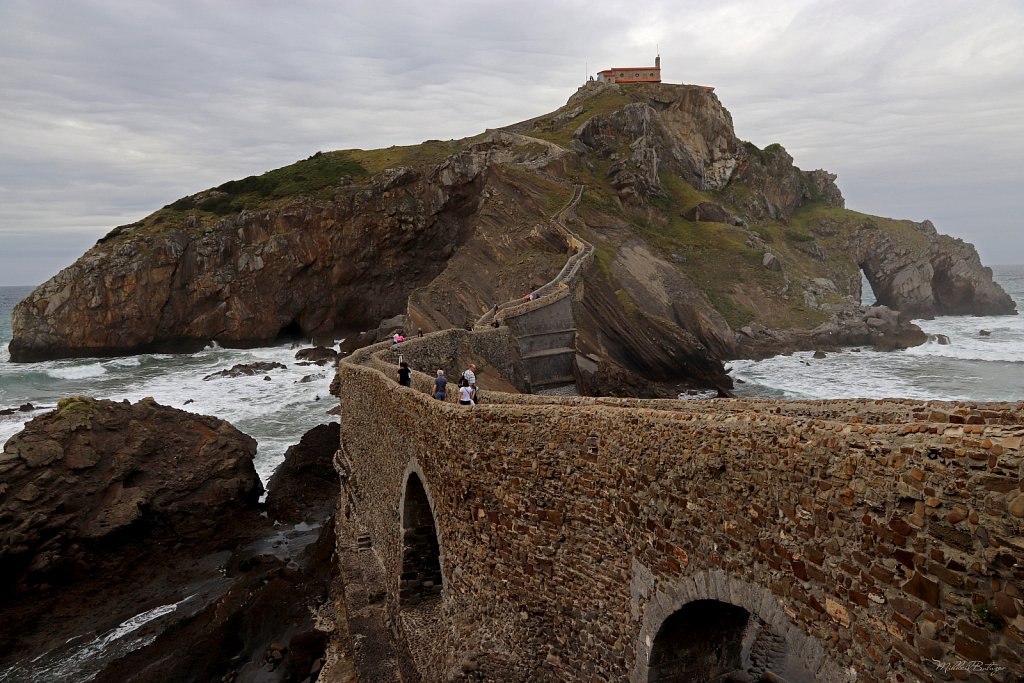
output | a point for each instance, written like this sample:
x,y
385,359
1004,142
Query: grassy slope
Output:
x,y
318,177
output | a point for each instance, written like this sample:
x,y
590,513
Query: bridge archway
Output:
x,y
422,575
707,625
702,641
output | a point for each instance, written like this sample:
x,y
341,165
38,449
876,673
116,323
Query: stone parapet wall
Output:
x,y
877,537
448,350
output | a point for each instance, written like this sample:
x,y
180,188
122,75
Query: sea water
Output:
x,y
971,367
278,411
275,411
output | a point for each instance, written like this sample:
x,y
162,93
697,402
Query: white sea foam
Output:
x,y
67,371
80,662
276,413
123,362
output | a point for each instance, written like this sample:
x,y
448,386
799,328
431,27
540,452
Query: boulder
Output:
x,y
709,212
246,370
94,470
320,355
242,584
771,262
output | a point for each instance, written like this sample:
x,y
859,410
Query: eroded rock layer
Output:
x,y
697,235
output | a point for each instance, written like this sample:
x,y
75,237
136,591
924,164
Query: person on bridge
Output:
x,y
404,374
440,386
470,376
465,393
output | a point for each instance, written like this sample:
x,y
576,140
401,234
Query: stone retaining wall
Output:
x,y
882,540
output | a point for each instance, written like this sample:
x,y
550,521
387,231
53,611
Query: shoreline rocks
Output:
x,y
147,513
94,471
878,327
246,370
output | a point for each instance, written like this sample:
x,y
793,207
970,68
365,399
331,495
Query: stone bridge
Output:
x,y
536,538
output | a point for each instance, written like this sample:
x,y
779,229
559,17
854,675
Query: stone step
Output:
x,y
554,382
542,334
550,352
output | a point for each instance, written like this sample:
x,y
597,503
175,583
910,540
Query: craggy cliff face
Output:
x,y
705,247
310,267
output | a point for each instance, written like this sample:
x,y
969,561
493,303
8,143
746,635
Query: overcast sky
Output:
x,y
112,109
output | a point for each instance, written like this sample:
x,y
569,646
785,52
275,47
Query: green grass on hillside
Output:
x,y
303,178
426,153
561,132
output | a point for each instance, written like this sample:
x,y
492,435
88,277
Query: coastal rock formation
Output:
x,y
306,478
94,471
732,236
131,534
927,274
878,327
318,354
309,268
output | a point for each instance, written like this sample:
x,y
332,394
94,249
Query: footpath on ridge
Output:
x,y
543,325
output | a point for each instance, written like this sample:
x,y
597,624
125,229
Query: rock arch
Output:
x,y
422,574
721,625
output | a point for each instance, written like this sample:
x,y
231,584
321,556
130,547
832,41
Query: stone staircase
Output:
x,y
544,328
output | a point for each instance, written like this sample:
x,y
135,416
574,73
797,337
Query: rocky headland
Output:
x,y
132,533
706,248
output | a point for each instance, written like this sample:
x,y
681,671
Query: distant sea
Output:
x,y
971,367
278,412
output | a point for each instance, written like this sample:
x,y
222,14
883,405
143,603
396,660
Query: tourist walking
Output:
x,y
440,386
404,374
470,376
465,393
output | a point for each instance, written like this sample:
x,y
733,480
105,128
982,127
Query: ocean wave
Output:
x,y
960,350
77,371
125,362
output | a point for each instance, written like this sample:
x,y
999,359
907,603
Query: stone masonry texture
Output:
x,y
883,540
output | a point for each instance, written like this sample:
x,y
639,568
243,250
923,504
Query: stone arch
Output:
x,y
701,641
742,628
422,574
867,296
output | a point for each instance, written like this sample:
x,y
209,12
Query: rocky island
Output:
x,y
706,248
533,537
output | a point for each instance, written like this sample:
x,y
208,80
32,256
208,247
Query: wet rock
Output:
x,y
246,370
23,408
307,478
94,470
247,603
985,333
941,339
318,354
